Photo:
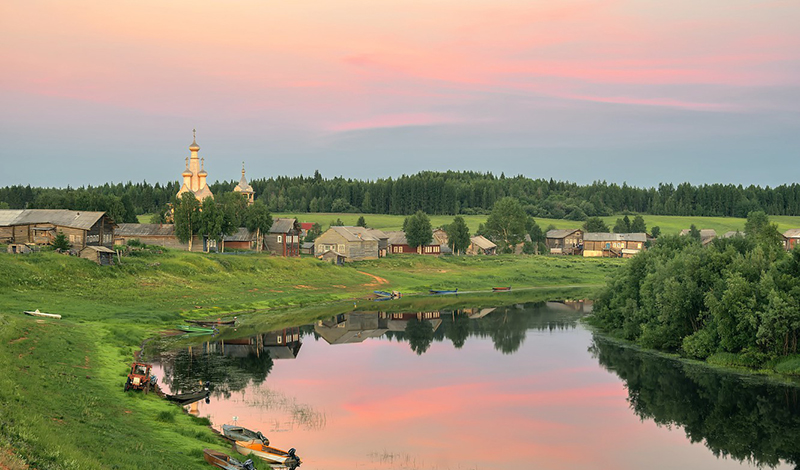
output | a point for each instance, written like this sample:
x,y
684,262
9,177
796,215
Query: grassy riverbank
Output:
x,y
61,399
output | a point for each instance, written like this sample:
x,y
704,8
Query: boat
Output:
x,y
383,295
188,398
196,329
207,323
226,462
240,434
269,454
37,313
434,291
500,289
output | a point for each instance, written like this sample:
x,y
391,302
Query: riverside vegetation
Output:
x,y
733,303
61,400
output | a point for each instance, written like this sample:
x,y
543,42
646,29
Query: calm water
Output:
x,y
517,387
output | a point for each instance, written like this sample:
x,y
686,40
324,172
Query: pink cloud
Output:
x,y
394,120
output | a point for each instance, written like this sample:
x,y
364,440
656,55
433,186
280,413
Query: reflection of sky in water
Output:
x,y
378,405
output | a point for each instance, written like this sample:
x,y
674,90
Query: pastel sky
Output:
x,y
641,91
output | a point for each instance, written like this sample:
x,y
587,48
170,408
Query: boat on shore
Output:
x,y
208,323
241,434
436,292
500,289
37,313
195,329
384,295
271,455
189,398
226,462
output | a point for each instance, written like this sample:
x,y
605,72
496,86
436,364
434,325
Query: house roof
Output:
x,y
101,249
561,233
307,245
282,225
329,253
792,233
241,235
354,234
64,218
704,233
397,237
734,233
145,230
482,242
617,237
306,225
379,234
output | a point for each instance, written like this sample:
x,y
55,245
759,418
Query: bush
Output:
x,y
700,344
134,242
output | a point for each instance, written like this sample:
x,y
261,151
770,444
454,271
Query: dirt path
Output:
x,y
378,280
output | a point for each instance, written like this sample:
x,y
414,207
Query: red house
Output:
x,y
398,244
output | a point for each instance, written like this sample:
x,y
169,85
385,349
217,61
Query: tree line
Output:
x,y
737,299
450,192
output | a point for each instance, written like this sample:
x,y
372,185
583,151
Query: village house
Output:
x,y
613,245
440,237
480,245
791,238
153,234
398,244
41,226
707,235
283,238
242,239
565,242
101,255
305,227
352,243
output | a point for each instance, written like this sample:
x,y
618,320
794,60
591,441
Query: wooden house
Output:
x,y
333,257
565,242
354,243
242,239
305,227
398,244
101,255
307,248
480,245
153,234
440,236
791,238
707,235
41,226
283,238
613,245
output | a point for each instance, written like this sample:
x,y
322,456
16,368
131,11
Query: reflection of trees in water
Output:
x,y
225,374
746,420
419,334
302,415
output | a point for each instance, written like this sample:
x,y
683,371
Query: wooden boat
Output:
x,y
434,291
383,295
187,398
212,322
226,462
195,329
500,289
269,454
37,313
240,434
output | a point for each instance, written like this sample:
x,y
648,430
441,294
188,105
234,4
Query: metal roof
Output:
x,y
397,238
63,218
616,237
283,225
354,234
704,233
561,233
482,242
145,230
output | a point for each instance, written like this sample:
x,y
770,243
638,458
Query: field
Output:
x,y
61,400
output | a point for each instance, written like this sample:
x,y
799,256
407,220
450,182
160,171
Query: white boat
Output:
x,y
268,454
37,313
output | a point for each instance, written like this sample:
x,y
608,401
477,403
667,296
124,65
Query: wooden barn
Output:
x,y
41,226
565,242
101,255
480,245
283,238
242,239
333,257
398,244
613,245
791,238
354,243
153,234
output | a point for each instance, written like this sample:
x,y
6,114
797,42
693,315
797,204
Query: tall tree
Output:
x,y
595,225
507,223
211,222
186,216
623,225
638,225
418,230
258,219
655,231
361,222
316,230
458,235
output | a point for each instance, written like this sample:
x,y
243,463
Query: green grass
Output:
x,y
61,400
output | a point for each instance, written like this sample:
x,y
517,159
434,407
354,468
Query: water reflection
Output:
x,y
745,420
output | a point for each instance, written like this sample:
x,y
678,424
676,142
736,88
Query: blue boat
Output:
x,y
433,291
383,293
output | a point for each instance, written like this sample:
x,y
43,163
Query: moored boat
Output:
x,y
434,291
500,289
208,323
37,313
226,462
269,454
195,329
188,398
240,434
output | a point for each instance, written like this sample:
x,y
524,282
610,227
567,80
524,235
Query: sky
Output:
x,y
636,91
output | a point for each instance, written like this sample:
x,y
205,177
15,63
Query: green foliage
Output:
x,y
694,233
418,230
60,242
595,225
361,222
258,220
623,225
186,216
316,230
638,225
337,223
4,205
507,224
458,238
738,296
655,231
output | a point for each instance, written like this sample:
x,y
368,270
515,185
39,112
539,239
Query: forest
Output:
x,y
449,192
734,302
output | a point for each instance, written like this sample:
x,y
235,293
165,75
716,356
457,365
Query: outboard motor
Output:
x,y
248,465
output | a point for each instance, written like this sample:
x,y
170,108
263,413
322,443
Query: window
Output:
x,y
280,238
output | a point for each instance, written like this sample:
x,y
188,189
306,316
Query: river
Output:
x,y
514,387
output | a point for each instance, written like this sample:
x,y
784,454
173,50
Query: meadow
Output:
x,y
62,404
